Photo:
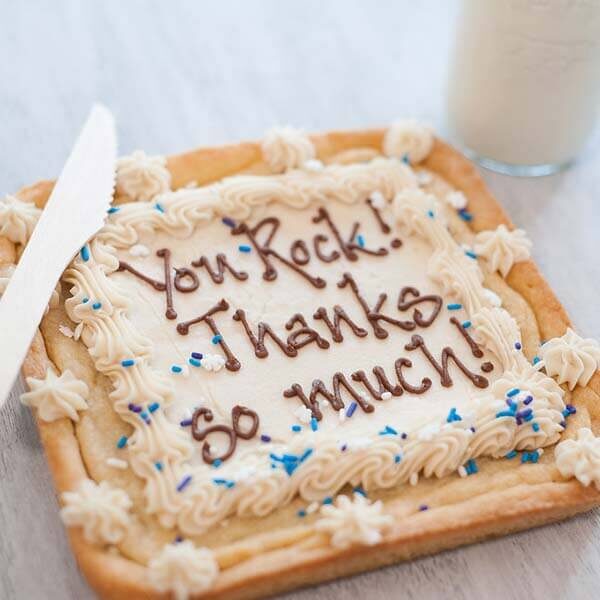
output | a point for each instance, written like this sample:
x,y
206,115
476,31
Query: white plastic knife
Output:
x,y
74,212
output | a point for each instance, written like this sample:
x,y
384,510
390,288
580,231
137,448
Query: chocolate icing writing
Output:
x,y
385,228
217,274
396,243
411,389
447,353
404,304
232,363
233,433
383,383
299,252
318,240
265,252
305,335
339,315
475,349
181,274
373,315
165,254
258,341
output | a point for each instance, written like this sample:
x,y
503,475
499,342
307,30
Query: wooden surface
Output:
x,y
182,74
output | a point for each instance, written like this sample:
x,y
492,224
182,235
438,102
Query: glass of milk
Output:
x,y
524,82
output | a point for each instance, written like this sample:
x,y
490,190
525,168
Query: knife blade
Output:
x,y
74,212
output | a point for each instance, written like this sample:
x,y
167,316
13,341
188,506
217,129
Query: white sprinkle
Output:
x,y
456,200
414,479
303,414
423,177
359,443
139,250
313,165
213,362
540,451
377,200
492,297
66,331
342,415
117,463
312,507
386,395
462,471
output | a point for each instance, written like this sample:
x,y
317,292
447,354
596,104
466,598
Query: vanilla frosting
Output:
x,y
17,219
408,138
101,510
56,397
580,457
355,521
183,569
285,148
503,248
6,272
570,358
142,177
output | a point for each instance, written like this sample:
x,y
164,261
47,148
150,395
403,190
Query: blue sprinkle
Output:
x,y
301,513
144,415
291,458
361,241
466,324
471,467
404,436
511,454
154,407
113,209
454,306
184,483
290,467
194,362
159,208
430,214
217,338
397,458
85,300
296,428
244,248
513,392
228,221
134,407
423,507
197,355
465,215
185,423
176,369
228,483
306,454
388,431
536,360
571,409
359,490
85,254
158,466
122,442
518,345
535,427
528,400
265,438
328,500
97,305
351,409
217,463
128,362
453,416
275,457
314,425
471,254
405,159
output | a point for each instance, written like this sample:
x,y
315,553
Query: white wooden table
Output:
x,y
182,74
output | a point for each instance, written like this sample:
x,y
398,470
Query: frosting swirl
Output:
x,y
580,458
101,510
183,569
408,138
17,219
503,248
141,177
56,397
571,359
285,148
355,521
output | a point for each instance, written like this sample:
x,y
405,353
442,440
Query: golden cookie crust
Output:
x,y
504,497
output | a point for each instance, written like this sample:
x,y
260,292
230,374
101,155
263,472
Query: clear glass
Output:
x,y
524,82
